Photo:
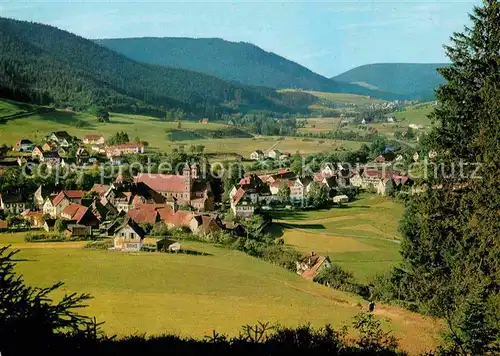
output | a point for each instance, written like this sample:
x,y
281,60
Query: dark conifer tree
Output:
x,y
451,233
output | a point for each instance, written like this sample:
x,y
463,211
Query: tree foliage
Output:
x,y
451,232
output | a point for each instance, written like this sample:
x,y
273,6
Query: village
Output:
x,y
127,210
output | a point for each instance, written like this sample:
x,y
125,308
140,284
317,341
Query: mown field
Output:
x,y
323,124
417,114
161,136
340,98
192,295
358,100
362,236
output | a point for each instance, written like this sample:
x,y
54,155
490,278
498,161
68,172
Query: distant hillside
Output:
x,y
416,81
43,65
235,61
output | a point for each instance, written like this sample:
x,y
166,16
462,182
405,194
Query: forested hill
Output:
x,y
43,65
414,80
235,61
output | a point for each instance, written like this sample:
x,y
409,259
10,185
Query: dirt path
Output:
x,y
45,245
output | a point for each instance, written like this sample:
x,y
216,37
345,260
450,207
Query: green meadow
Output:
x,y
162,136
191,295
362,236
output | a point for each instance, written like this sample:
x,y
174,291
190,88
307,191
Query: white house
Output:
x,y
129,236
93,140
257,155
13,203
242,204
274,154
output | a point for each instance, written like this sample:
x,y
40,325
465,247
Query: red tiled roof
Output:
x,y
180,218
163,183
312,272
75,211
59,198
74,194
244,180
240,193
100,188
70,194
143,216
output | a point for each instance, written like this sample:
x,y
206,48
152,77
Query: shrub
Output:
x,y
338,278
99,245
40,237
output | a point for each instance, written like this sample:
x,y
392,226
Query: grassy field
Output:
x,y
416,114
8,107
191,295
362,237
358,100
323,124
158,133
340,98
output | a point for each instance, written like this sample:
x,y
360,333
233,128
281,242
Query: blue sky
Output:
x,y
328,37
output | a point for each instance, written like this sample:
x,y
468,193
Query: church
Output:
x,y
188,189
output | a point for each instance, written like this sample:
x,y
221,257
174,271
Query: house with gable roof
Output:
x,y
62,138
54,205
311,264
129,236
257,155
242,204
80,215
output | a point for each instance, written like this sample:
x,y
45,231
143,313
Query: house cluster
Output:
x,y
54,150
253,190
379,180
122,209
57,146
116,152
259,155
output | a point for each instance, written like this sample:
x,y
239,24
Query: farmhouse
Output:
x,y
35,218
41,194
128,148
24,145
397,182
100,189
127,197
242,204
49,146
50,158
62,138
54,205
274,154
37,153
188,189
298,190
3,225
257,155
76,230
144,215
129,236
93,140
205,225
80,215
311,264
82,156
13,203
